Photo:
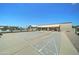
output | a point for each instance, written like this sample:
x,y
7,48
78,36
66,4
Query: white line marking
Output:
x,y
55,46
39,49
44,46
34,47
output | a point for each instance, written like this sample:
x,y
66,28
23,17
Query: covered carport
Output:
x,y
55,27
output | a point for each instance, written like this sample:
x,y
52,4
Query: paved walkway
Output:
x,y
36,43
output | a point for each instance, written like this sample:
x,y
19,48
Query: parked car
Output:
x,y
77,30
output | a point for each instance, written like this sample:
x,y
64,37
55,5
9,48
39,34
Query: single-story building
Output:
x,y
67,26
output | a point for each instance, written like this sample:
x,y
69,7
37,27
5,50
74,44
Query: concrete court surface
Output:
x,y
36,43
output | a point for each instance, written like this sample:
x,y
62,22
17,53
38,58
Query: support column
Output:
x,y
48,29
41,28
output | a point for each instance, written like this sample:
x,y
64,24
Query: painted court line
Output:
x,y
34,47
44,46
55,46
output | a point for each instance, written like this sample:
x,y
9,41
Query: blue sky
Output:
x,y
43,13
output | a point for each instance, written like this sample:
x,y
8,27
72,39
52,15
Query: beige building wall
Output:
x,y
66,27
62,27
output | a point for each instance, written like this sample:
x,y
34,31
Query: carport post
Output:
x,y
48,29
41,28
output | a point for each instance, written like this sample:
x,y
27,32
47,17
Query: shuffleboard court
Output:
x,y
36,43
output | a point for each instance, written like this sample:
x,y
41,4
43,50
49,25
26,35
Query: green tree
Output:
x,y
4,28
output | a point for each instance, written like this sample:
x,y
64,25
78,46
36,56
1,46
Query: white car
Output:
x,y
77,33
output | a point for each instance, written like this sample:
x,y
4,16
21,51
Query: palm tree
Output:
x,y
29,28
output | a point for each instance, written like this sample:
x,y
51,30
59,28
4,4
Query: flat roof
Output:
x,y
50,25
55,25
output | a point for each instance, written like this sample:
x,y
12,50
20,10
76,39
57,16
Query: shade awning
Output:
x,y
57,25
